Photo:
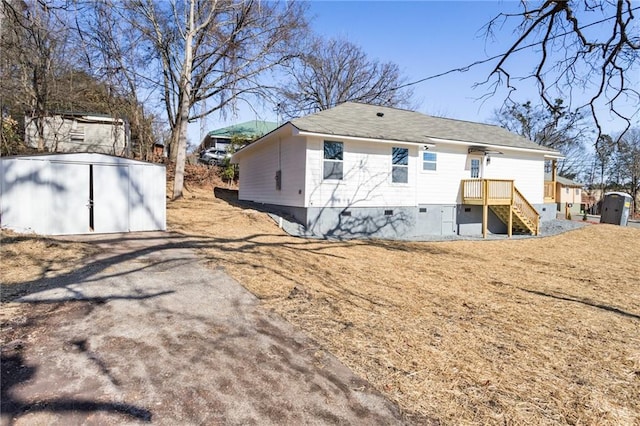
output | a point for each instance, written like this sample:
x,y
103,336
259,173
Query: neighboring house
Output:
x,y
359,170
78,132
221,138
589,201
569,196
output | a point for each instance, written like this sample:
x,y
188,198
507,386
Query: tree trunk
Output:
x,y
175,137
183,119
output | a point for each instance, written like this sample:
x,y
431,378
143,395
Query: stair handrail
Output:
x,y
526,209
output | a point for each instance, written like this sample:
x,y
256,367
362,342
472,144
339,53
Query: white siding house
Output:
x,y
78,133
362,170
58,194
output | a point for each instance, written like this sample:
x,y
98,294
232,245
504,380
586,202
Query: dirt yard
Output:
x,y
534,331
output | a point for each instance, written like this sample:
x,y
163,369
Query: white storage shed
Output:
x,y
58,194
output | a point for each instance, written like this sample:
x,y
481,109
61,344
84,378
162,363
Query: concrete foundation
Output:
x,y
398,223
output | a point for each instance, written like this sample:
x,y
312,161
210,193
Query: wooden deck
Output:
x,y
504,199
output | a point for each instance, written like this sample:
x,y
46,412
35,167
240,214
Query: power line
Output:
x,y
468,67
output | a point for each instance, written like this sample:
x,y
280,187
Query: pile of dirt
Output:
x,y
531,331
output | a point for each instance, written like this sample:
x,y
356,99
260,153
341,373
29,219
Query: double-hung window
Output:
x,y
400,165
429,161
333,160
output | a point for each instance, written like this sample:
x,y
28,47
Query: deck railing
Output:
x,y
526,209
493,191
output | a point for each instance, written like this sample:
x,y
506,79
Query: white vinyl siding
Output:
x,y
527,170
258,172
454,165
443,185
367,173
367,177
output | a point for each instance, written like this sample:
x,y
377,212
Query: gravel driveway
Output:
x,y
146,334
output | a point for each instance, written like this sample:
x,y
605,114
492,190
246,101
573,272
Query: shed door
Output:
x,y
110,198
65,205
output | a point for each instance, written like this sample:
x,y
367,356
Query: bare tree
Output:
x,y
209,52
573,55
604,151
626,164
108,48
335,71
33,49
555,127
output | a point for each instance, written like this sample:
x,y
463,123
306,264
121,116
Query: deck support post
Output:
x,y
510,224
485,207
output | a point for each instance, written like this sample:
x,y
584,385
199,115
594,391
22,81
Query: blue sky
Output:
x,y
424,38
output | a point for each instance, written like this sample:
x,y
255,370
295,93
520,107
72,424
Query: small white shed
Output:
x,y
82,193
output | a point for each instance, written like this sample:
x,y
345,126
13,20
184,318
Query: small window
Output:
x,y
475,168
566,190
400,167
577,191
429,160
333,160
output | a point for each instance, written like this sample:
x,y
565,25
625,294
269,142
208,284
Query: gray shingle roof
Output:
x,y
362,120
568,182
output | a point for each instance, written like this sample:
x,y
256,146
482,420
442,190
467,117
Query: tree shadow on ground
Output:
x,y
15,372
584,302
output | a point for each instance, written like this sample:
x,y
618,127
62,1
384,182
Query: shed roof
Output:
x,y
385,123
80,157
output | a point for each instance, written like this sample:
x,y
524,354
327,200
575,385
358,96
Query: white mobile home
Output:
x,y
58,194
369,171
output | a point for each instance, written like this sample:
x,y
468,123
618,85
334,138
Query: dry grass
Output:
x,y
29,258
535,331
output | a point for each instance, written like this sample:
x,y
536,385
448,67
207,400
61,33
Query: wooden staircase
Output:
x,y
504,199
520,223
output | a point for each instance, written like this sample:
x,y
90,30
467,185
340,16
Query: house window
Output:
x,y
566,190
577,191
429,160
475,168
333,161
400,165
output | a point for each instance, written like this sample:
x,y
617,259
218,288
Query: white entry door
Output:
x,y
476,166
110,198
